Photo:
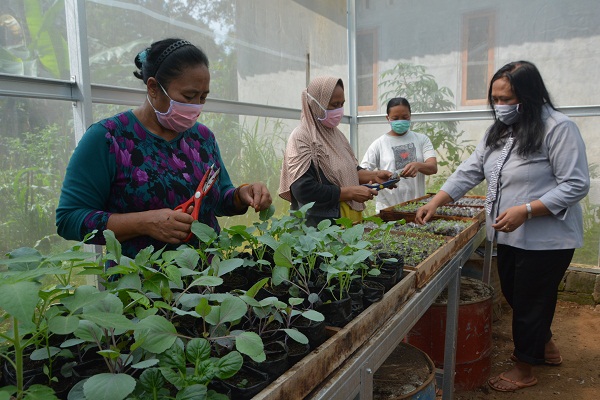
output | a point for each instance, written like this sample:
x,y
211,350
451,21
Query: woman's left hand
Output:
x,y
382,176
510,219
256,195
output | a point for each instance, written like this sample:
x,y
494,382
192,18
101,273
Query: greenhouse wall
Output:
x,y
438,54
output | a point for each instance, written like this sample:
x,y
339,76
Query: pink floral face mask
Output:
x,y
180,116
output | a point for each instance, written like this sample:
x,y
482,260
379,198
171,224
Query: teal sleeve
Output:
x,y
86,187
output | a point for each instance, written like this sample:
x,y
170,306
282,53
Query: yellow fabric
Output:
x,y
347,212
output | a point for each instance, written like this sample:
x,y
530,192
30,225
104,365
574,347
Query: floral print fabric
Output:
x,y
120,167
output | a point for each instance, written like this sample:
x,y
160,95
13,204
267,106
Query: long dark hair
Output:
x,y
528,86
166,59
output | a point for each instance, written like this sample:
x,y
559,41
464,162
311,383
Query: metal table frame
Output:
x,y
354,378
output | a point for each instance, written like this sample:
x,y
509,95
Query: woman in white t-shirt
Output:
x,y
403,151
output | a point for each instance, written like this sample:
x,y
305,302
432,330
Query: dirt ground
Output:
x,y
576,330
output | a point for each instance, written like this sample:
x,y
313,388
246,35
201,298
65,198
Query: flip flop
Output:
x,y
518,385
555,362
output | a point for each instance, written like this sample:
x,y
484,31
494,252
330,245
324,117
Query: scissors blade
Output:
x,y
211,178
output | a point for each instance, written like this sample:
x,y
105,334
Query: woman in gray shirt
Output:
x,y
533,158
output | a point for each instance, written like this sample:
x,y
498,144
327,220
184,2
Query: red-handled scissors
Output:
x,y
207,182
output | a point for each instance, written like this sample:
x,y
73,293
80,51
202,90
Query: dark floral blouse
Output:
x,y
120,167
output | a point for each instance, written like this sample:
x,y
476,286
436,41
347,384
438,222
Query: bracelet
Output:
x,y
236,195
528,207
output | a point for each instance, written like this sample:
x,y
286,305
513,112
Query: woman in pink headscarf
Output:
x,y
319,165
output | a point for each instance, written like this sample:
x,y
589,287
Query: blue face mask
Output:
x,y
400,126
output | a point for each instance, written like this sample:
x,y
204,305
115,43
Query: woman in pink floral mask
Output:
x,y
130,171
319,165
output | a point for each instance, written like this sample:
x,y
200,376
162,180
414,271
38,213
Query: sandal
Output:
x,y
518,385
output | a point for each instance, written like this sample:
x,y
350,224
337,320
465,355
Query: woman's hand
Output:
x,y
357,193
382,176
378,176
165,225
510,219
424,213
427,211
255,195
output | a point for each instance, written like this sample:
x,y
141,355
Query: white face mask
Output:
x,y
508,113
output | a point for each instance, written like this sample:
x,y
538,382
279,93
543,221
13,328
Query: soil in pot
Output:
x,y
408,373
246,383
296,351
372,292
233,281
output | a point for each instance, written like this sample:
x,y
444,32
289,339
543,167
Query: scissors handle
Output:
x,y
207,182
379,186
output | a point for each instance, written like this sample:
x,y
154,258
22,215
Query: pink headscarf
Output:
x,y
327,148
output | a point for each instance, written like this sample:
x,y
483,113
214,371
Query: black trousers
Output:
x,y
529,280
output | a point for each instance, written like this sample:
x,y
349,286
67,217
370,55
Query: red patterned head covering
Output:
x,y
327,148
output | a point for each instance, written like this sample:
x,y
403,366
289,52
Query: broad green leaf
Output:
x,y
173,357
207,281
193,392
71,342
296,335
19,300
108,320
256,287
63,325
156,332
188,258
249,343
197,349
228,365
226,266
232,309
88,331
145,364
109,304
82,296
205,233
44,353
264,215
313,315
108,387
151,380
174,377
40,392
203,308
283,256
113,247
280,275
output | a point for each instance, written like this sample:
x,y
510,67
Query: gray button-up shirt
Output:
x,y
557,175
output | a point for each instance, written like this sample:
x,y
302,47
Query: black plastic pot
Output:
x,y
296,351
387,278
246,383
276,362
356,294
313,330
337,312
373,291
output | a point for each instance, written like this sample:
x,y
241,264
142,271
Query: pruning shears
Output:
x,y
396,176
207,182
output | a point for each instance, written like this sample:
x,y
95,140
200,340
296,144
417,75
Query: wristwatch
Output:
x,y
528,207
